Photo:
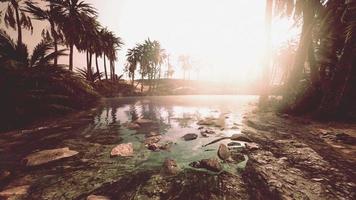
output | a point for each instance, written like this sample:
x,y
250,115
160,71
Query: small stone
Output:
x,y
154,147
190,136
122,150
212,164
153,139
223,152
240,137
97,197
170,167
204,134
252,146
46,156
200,128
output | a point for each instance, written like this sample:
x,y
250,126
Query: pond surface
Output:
x,y
96,132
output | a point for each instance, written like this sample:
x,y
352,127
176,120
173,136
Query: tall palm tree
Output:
x,y
50,14
112,44
16,18
74,13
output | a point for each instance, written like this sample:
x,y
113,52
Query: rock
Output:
x,y
240,137
252,146
15,191
223,152
154,147
153,139
209,132
122,150
167,146
170,167
97,197
212,164
47,156
190,136
231,144
204,134
235,127
200,128
133,126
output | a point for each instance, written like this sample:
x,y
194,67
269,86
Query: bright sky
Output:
x,y
225,38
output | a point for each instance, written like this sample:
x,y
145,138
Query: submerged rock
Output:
x,y
152,140
170,167
240,137
97,197
238,157
190,136
151,134
203,133
14,192
122,150
211,164
46,156
223,152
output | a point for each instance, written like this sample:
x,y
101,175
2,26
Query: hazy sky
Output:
x,y
224,37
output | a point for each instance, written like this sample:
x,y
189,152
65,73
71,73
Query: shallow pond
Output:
x,y
94,133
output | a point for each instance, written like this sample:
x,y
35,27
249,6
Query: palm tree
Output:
x,y
186,64
73,14
52,15
16,19
113,44
14,55
132,62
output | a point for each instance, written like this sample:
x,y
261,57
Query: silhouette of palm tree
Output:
x,y
50,14
16,18
73,15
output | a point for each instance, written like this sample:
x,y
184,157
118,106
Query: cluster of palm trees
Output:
x,y
147,58
322,76
73,23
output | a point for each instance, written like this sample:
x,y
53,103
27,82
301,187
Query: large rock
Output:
x,y
15,191
252,146
47,156
97,197
240,137
223,152
170,167
122,150
211,164
190,136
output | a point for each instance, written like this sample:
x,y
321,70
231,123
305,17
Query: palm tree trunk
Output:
x,y
18,22
97,66
301,55
267,57
71,46
105,70
55,42
113,70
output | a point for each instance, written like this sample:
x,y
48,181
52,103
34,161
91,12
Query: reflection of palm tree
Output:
x,y
133,113
16,18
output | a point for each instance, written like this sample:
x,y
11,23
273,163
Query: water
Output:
x,y
94,133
